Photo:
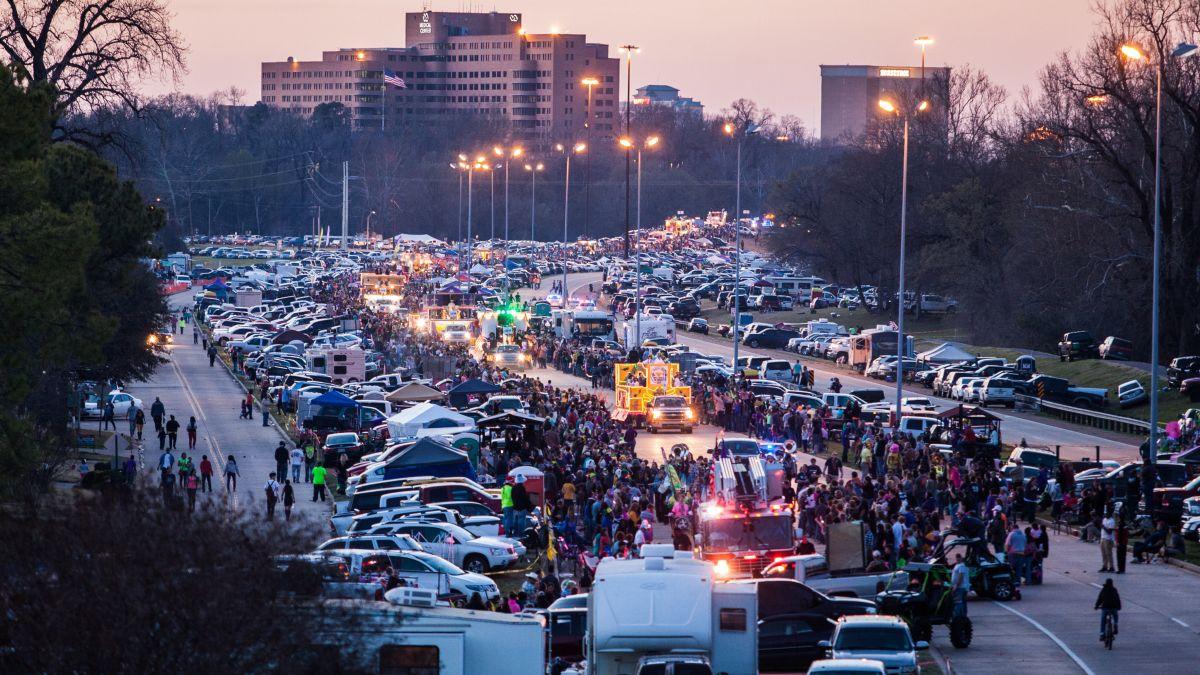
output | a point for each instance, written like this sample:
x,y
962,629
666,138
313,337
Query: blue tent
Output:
x,y
429,457
335,399
465,393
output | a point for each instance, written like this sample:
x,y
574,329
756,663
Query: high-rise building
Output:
x,y
850,95
458,63
667,96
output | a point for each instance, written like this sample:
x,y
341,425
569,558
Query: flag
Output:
x,y
390,77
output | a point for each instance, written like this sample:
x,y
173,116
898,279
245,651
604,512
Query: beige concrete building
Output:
x,y
850,95
459,63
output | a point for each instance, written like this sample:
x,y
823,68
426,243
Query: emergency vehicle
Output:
x,y
746,524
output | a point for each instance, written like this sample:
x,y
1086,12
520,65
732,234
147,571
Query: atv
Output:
x,y
991,575
927,602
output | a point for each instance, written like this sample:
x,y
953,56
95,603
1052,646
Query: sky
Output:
x,y
765,50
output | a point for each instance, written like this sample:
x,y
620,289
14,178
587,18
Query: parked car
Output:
x,y
1078,344
1131,393
879,638
1182,368
698,325
1115,349
474,554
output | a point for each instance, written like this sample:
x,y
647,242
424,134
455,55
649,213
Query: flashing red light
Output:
x,y
751,557
777,559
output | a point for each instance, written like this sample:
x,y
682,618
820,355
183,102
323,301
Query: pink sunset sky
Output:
x,y
765,50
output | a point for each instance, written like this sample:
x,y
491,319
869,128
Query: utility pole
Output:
x,y
345,206
629,50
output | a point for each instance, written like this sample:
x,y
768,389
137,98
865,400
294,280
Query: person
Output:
x,y
158,411
272,489
1109,602
192,484
231,474
166,462
506,504
281,459
195,335
1152,544
212,355
960,584
289,499
835,385
206,473
394,581
110,414
877,564
191,432
1014,548
172,427
130,468
296,456
1108,538
318,482
522,505
1122,542
162,438
140,421
250,408
131,417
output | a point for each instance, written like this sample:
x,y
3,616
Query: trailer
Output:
x,y
653,327
638,384
583,324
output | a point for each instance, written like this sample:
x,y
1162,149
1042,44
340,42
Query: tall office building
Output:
x,y
458,63
850,95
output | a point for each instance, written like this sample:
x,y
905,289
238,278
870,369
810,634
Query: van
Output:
x,y
1034,457
916,425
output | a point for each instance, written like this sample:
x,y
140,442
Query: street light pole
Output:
x,y
492,179
731,130
588,82
533,171
901,342
628,143
470,180
629,50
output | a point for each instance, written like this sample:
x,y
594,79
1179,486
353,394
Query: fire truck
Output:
x,y
745,524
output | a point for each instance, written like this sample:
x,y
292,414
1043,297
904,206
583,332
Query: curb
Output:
x,y
942,660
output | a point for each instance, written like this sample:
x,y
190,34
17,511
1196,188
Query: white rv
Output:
x,y
413,634
342,365
653,327
667,603
584,324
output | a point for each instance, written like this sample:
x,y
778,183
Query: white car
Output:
x,y
480,526
474,554
959,391
374,541
122,404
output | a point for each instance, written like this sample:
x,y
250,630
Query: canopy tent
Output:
x,y
418,238
973,412
425,415
335,399
479,269
511,418
945,353
415,391
469,391
429,457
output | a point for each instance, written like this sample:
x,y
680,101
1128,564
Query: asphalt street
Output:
x,y
188,386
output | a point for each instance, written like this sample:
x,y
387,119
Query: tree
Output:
x,y
91,53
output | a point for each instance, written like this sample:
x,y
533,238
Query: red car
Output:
x,y
1169,500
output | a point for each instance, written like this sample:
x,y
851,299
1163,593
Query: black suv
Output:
x,y
1078,344
684,308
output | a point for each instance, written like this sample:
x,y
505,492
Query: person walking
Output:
x,y
289,499
281,459
318,482
109,416
310,454
1122,538
296,459
206,474
1108,539
960,584
158,411
131,417
272,490
191,432
166,462
172,427
231,474
212,355
192,484
162,438
1014,548
140,422
195,335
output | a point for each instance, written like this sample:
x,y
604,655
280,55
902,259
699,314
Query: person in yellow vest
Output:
x,y
506,505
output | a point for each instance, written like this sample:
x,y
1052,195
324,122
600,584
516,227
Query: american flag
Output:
x,y
389,77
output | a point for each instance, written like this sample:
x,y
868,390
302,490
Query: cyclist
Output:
x,y
1109,602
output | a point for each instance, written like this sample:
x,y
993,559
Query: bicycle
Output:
x,y
1110,630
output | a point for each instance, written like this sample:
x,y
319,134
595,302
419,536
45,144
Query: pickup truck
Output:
x,y
812,570
670,412
1078,344
1059,390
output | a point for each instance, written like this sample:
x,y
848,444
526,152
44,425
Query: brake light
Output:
x,y
751,557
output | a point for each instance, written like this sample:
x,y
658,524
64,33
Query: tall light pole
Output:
x,y
576,149
492,203
628,143
459,167
740,135
369,228
629,51
901,344
923,42
588,82
533,170
480,164
511,154
1134,53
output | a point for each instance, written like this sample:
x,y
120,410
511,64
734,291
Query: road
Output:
x,y
1074,441
188,386
1053,629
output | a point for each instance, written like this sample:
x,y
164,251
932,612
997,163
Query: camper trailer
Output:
x,y
342,365
667,603
653,327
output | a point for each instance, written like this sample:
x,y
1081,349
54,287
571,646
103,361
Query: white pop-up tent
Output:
x,y
945,353
406,423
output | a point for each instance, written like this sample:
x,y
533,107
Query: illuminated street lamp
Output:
x,y
629,144
901,343
730,129
588,82
1134,53
629,50
576,149
480,163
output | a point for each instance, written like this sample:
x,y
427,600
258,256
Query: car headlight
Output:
x,y
689,414
656,414
721,568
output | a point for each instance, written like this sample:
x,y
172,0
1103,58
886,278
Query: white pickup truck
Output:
x,y
813,571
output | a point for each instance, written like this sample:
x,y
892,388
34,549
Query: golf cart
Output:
x,y
927,602
991,576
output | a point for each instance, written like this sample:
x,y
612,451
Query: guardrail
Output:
x,y
1086,416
